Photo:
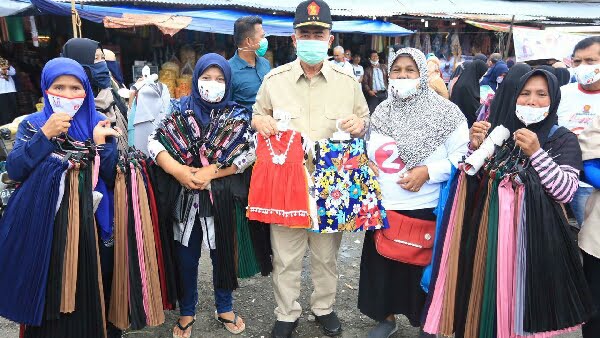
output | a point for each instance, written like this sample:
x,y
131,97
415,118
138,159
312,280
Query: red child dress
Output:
x,y
279,184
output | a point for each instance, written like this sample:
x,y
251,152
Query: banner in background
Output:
x,y
544,44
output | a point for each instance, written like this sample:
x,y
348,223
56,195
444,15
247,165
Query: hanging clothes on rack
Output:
x,y
139,249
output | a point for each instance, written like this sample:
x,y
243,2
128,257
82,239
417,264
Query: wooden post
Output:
x,y
75,20
510,34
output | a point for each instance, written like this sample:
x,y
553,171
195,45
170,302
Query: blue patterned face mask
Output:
x,y
312,51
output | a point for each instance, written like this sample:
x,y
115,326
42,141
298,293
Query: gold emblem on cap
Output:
x,y
313,9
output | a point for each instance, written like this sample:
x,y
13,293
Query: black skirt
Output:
x,y
390,287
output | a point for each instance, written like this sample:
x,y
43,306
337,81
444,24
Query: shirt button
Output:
x,y
427,237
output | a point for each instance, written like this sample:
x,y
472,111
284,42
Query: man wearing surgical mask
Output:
x,y
316,96
248,66
339,58
579,105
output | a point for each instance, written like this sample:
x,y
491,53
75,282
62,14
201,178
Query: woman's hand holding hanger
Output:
x,y
478,133
57,124
104,130
527,141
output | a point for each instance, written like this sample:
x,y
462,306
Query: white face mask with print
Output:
x,y
211,91
68,105
531,115
403,88
588,74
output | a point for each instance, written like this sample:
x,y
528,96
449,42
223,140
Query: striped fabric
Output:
x,y
559,181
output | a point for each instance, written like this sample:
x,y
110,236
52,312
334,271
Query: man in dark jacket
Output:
x,y
375,81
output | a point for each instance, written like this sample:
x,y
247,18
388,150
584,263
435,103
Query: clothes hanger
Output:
x,y
340,135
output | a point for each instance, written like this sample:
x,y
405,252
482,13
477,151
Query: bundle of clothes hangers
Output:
x,y
505,264
243,248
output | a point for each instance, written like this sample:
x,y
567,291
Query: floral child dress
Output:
x,y
279,184
348,194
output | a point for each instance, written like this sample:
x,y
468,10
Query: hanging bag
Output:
x,y
407,240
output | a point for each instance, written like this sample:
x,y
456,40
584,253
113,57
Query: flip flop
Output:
x,y
227,321
184,328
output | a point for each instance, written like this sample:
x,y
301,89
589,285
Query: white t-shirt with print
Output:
x,y
577,109
382,151
358,71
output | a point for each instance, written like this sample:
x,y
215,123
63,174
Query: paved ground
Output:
x,y
254,301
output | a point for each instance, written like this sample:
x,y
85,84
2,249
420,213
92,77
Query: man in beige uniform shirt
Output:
x,y
315,94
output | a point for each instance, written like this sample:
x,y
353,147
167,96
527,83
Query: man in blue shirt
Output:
x,y
248,66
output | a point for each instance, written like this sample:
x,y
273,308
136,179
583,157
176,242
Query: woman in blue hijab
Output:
x,y
69,108
214,188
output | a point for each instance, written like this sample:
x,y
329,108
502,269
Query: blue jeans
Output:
x,y
578,203
187,258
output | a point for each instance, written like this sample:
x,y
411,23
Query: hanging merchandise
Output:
x,y
140,266
466,44
169,73
34,32
455,47
436,45
486,44
4,30
55,287
417,41
406,41
426,49
184,81
279,171
347,192
187,54
504,243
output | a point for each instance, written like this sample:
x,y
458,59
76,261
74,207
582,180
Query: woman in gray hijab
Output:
x,y
415,138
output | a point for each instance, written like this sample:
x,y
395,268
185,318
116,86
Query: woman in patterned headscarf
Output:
x,y
416,137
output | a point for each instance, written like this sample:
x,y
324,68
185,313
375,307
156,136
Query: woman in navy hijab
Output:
x,y
211,225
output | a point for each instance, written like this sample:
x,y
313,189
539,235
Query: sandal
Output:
x,y
184,328
227,321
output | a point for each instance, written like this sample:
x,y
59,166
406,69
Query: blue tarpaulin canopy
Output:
x,y
218,20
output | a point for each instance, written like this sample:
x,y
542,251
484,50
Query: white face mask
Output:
x,y
531,115
374,63
211,91
588,74
499,79
403,88
69,105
